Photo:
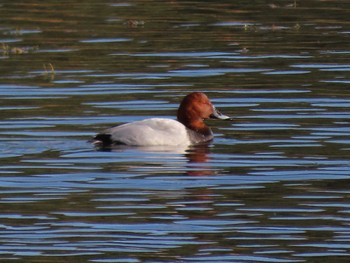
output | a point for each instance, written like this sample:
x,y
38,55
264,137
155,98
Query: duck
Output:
x,y
188,129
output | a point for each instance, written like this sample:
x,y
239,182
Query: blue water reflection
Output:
x,y
271,187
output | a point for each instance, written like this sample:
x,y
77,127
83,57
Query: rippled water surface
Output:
x,y
274,185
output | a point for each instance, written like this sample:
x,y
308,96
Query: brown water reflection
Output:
x,y
271,187
198,157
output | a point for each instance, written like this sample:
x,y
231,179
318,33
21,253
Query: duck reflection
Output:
x,y
198,158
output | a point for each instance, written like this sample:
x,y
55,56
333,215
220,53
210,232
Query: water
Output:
x,y
271,187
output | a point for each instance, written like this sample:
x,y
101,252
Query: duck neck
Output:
x,y
200,127
196,125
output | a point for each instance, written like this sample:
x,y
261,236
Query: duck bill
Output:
x,y
218,115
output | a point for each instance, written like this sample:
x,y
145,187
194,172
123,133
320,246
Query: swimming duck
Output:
x,y
188,129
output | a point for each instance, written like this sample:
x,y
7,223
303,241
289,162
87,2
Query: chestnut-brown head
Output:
x,y
195,108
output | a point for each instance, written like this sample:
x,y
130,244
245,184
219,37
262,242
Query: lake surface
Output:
x,y
274,185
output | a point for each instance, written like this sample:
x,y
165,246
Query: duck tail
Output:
x,y
102,139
